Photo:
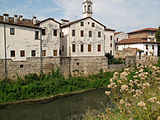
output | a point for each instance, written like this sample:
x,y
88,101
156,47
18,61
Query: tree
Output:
x,y
158,35
158,39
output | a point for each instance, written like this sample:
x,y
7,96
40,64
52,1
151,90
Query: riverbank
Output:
x,y
50,98
48,86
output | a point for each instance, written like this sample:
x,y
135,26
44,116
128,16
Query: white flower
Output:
x,y
107,92
141,104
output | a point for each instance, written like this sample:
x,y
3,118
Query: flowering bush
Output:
x,y
136,95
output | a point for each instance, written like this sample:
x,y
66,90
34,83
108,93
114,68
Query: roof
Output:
x,y
47,20
143,30
116,33
136,41
107,29
23,23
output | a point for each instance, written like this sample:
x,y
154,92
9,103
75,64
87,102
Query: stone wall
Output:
x,y
2,69
74,66
84,66
147,59
31,65
116,67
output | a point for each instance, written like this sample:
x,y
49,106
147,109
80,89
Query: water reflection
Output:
x,y
68,108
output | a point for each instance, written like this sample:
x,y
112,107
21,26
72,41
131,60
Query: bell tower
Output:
x,y
87,8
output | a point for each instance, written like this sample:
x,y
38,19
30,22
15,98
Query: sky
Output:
x,y
121,15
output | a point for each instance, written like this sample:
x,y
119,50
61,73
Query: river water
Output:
x,y
72,107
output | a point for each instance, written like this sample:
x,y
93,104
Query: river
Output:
x,y
72,107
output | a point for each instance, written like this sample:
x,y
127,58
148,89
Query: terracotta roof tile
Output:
x,y
135,41
24,22
145,29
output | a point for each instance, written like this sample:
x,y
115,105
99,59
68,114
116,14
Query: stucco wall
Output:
x,y
49,41
78,40
108,41
24,39
141,46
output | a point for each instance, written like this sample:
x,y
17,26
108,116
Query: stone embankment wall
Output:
x,y
74,66
31,65
77,66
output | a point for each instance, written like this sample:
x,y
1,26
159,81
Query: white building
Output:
x,y
19,38
118,36
143,40
23,38
87,36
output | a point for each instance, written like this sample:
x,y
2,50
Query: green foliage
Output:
x,y
158,35
112,60
42,85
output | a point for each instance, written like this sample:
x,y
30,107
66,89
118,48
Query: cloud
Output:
x,y
126,15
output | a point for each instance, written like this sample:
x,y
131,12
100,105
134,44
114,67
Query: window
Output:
x,y
73,33
60,52
43,31
89,48
33,53
12,31
54,32
36,35
110,44
99,34
63,48
93,24
43,53
82,23
111,52
111,37
82,33
153,47
147,47
99,48
82,48
146,53
12,53
117,39
90,33
73,48
54,52
22,53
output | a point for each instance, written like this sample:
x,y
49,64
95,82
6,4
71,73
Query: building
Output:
x,y
120,36
28,46
143,39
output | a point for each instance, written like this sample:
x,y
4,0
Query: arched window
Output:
x,y
89,7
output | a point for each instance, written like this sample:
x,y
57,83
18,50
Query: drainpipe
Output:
x,y
5,51
69,54
41,59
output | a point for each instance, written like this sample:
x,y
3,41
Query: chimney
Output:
x,y
5,17
20,17
34,20
15,19
64,22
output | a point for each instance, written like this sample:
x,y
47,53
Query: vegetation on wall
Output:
x,y
42,85
112,60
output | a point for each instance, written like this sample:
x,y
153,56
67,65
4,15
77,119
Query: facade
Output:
x,y
141,39
27,46
18,39
119,36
